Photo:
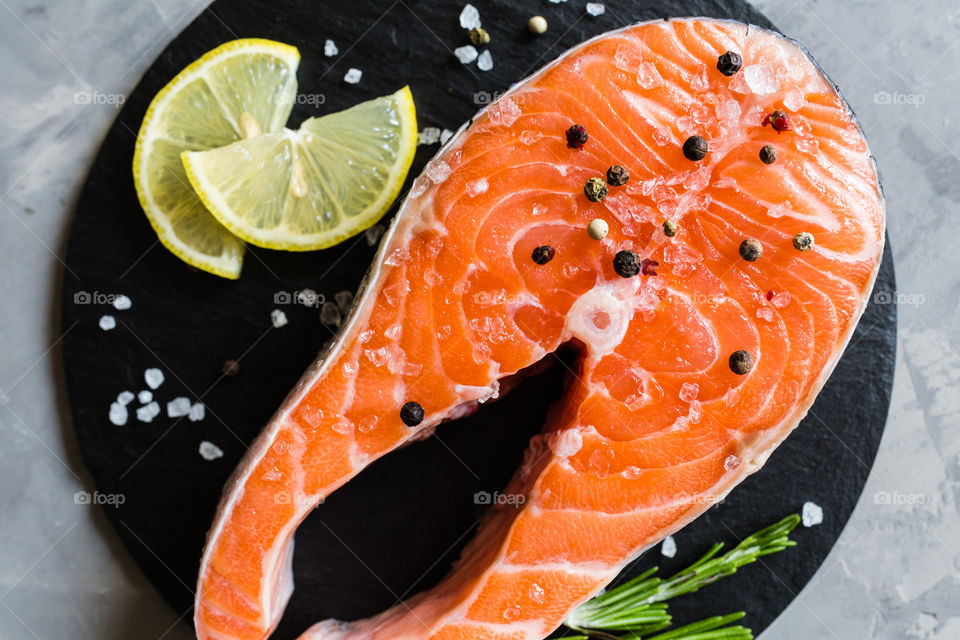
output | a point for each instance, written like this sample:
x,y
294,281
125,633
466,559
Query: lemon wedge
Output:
x,y
241,89
314,187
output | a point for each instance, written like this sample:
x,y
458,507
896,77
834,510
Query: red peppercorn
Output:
x,y
648,267
779,120
577,136
770,294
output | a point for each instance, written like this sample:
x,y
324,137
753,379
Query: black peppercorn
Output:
x,y
625,264
617,176
751,249
741,362
729,63
412,414
768,154
577,136
543,254
695,148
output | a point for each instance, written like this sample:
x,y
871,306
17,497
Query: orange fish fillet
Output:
x,y
655,425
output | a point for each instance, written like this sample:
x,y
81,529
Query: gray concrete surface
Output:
x,y
895,572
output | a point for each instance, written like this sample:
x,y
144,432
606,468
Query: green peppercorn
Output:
x,y
595,189
751,249
479,36
803,241
669,229
617,176
741,362
768,154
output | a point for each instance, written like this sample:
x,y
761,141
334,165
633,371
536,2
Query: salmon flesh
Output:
x,y
697,358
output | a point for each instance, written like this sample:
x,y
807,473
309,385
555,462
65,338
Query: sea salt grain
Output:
x,y
108,322
197,412
731,462
811,514
122,302
148,412
145,396
278,318
372,235
529,137
178,407
689,391
466,54
125,397
118,414
210,451
153,378
330,314
445,135
794,99
595,9
485,61
429,135
648,77
469,17
781,300
352,76
330,49
477,187
437,171
668,548
761,79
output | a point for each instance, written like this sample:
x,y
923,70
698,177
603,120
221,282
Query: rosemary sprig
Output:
x,y
637,608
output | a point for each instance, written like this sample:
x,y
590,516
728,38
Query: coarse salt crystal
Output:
x,y
761,79
668,548
125,397
208,450
108,322
477,187
811,514
765,313
794,99
330,49
648,77
352,76
278,318
445,135
565,443
307,297
689,391
197,412
145,396
118,414
485,61
428,135
469,17
372,235
148,412
529,137
330,314
153,377
122,302
178,407
438,171
781,300
509,111
731,462
466,54
595,9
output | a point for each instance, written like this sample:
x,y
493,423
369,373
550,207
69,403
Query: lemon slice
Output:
x,y
314,187
239,90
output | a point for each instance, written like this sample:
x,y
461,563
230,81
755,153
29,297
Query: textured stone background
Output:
x,y
895,572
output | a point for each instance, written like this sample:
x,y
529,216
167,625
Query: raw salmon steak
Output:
x,y
699,352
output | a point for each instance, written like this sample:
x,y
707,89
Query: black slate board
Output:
x,y
186,323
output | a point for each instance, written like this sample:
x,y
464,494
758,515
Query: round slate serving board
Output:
x,y
396,528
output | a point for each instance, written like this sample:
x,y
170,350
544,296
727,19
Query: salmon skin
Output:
x,y
656,425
